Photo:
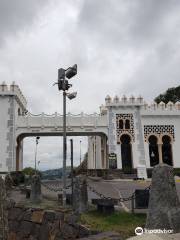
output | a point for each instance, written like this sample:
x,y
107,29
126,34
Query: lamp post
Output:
x,y
35,159
63,84
72,173
80,152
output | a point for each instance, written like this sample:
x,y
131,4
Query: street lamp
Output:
x,y
37,141
64,85
80,152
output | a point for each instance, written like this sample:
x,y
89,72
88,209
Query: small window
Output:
x,y
127,124
19,111
121,124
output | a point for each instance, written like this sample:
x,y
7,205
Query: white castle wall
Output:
x,y
14,122
143,114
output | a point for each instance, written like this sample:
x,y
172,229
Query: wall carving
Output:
x,y
120,131
158,130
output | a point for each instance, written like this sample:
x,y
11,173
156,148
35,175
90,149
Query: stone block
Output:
x,y
49,216
13,226
12,236
164,205
37,216
25,228
27,215
15,214
36,189
59,215
44,232
69,232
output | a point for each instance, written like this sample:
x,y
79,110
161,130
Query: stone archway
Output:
x,y
167,150
126,153
153,150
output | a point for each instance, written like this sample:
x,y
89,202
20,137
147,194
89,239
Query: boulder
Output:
x,y
164,205
36,189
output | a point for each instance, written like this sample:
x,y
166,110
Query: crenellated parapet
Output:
x,y
14,90
170,106
139,101
124,101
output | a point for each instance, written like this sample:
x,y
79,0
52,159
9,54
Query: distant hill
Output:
x,y
54,173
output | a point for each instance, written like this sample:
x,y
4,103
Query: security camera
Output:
x,y
71,95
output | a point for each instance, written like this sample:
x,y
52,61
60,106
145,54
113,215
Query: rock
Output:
x,y
25,228
44,232
3,210
49,216
37,216
15,213
36,189
164,205
69,232
80,198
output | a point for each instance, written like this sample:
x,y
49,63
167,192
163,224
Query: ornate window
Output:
x,y
121,124
127,124
124,124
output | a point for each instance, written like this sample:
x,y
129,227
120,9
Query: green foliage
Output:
x,y
172,94
177,172
122,222
85,156
30,171
17,177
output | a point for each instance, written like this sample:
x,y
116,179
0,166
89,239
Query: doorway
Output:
x,y
126,153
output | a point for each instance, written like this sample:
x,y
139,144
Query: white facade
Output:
x,y
153,134
133,134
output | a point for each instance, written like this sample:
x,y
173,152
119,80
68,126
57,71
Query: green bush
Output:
x,y
177,172
17,177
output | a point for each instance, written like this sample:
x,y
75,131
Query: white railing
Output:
x,y
56,120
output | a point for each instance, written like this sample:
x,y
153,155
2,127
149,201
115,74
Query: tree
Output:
x,y
30,171
172,94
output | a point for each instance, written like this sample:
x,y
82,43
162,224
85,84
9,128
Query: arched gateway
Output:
x,y
137,136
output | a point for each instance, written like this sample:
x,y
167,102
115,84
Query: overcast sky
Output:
x,y
120,47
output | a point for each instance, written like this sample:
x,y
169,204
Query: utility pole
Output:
x,y
72,173
64,85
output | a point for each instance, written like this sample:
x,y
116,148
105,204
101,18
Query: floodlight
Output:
x,y
71,71
71,95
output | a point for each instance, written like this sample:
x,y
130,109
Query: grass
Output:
x,y
122,222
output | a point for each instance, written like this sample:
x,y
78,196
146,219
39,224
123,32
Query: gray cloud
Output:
x,y
17,15
120,46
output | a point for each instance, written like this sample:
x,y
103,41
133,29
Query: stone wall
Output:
x,y
32,224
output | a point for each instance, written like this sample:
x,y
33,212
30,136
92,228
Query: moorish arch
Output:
x,y
126,153
153,150
167,150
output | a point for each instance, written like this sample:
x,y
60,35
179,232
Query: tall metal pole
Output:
x,y
64,149
35,157
72,175
80,152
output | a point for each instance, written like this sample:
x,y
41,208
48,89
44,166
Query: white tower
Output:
x,y
12,104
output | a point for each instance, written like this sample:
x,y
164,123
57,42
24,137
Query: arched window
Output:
x,y
167,150
153,151
127,124
121,124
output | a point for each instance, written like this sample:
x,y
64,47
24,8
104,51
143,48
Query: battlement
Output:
x,y
139,101
13,90
124,101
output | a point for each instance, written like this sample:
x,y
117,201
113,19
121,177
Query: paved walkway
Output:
x,y
157,237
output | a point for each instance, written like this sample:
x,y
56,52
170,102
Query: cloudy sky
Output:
x,y
120,47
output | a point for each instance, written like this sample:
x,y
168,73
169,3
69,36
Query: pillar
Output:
x,y
160,153
19,155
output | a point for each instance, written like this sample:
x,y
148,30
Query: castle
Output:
x,y
127,134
